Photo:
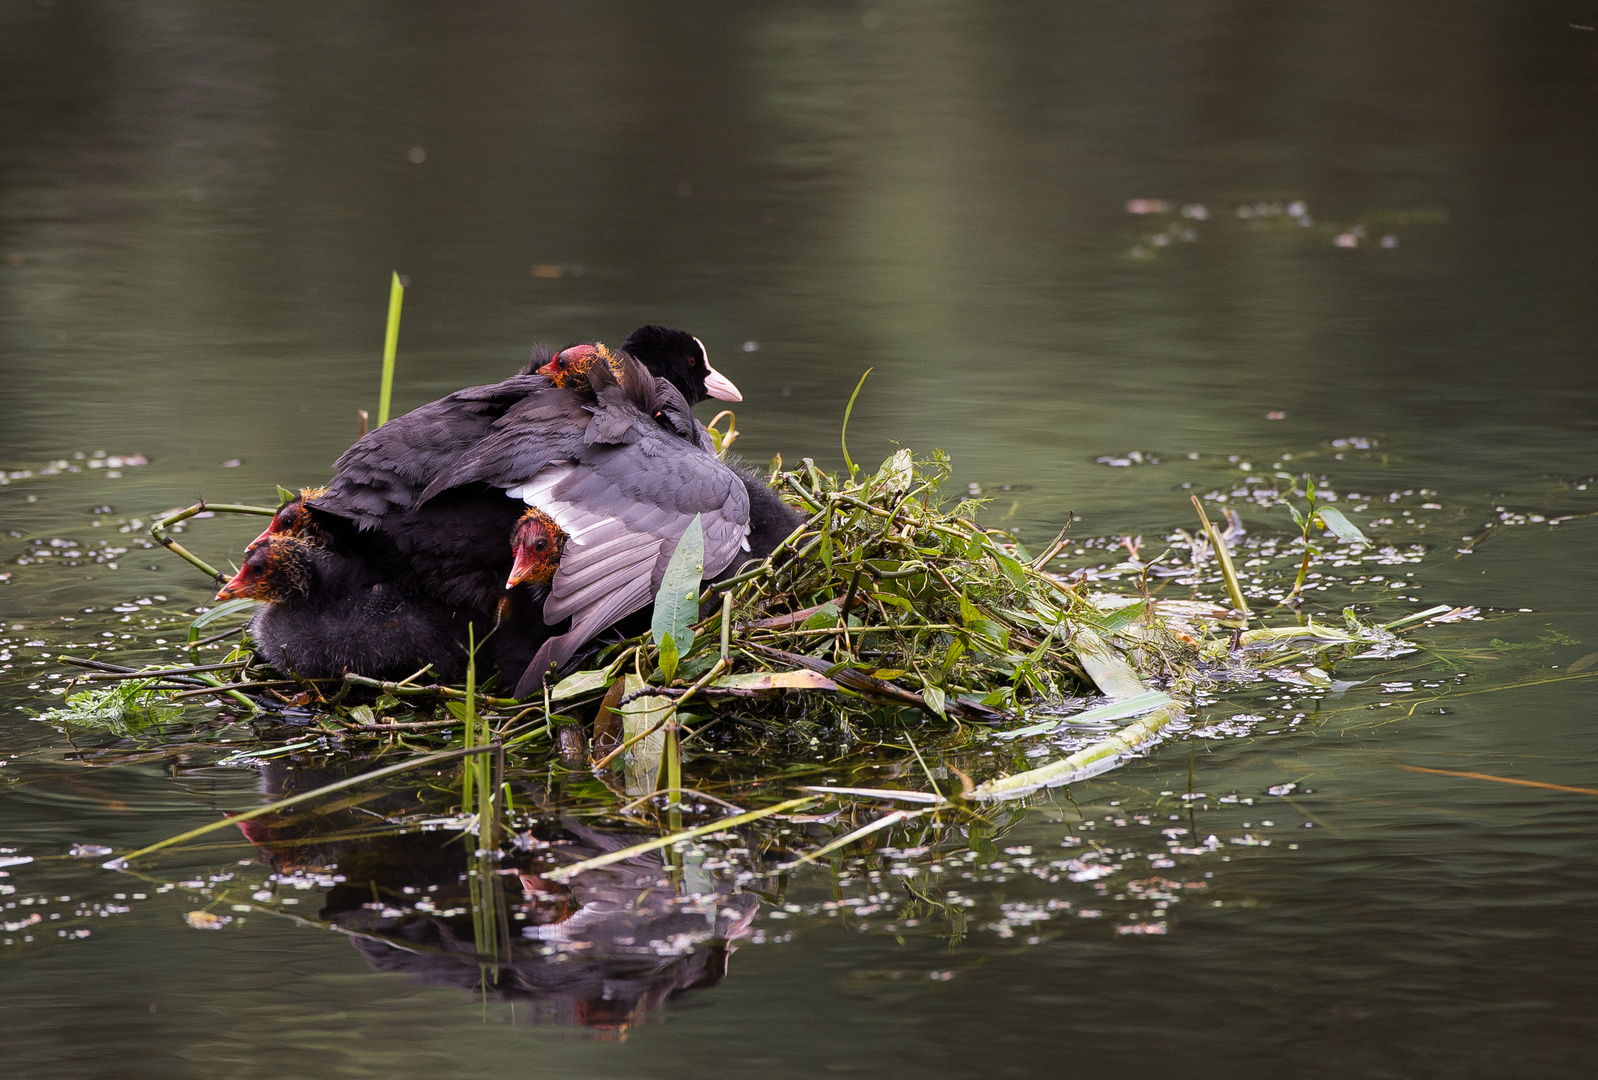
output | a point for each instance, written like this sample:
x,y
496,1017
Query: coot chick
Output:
x,y
294,516
536,544
325,613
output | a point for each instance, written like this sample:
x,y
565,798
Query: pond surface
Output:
x,y
1374,220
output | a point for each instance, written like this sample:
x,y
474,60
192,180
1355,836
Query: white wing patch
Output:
x,y
538,492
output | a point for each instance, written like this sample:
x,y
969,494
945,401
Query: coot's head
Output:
x,y
570,367
536,544
274,569
681,359
293,518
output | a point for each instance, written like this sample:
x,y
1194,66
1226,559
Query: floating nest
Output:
x,y
887,609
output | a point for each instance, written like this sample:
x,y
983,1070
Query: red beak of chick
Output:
x,y
239,586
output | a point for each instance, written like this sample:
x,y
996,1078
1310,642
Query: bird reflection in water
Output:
x,y
602,951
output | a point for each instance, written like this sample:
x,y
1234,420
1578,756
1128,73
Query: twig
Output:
x,y
159,526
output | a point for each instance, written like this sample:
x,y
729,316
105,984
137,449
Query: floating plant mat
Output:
x,y
887,612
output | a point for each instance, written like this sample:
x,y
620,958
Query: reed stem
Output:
x,y
396,299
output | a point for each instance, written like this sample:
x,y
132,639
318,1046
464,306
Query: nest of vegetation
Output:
x,y
898,598
888,608
888,605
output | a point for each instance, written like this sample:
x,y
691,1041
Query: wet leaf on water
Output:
x,y
1115,710
1583,664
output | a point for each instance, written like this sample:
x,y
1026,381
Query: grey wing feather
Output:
x,y
558,650
624,523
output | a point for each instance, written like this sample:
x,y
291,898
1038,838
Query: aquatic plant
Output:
x,y
1318,517
123,707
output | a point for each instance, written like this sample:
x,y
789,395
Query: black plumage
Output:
x,y
454,548
622,483
326,611
422,505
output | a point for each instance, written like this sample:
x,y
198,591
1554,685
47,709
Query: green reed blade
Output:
x,y
396,297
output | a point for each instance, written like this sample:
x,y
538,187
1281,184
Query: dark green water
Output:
x,y
200,205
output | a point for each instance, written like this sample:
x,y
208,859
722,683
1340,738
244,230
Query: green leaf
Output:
x,y
935,700
668,659
459,710
992,631
968,612
1124,616
677,602
1341,527
363,714
232,607
843,436
955,651
642,761
285,496
897,473
1012,569
583,682
1298,519
826,616
690,669
1002,698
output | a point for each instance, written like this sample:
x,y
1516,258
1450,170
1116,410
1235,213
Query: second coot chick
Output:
x,y
325,613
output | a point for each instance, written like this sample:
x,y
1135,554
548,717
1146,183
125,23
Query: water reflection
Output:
x,y
604,951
